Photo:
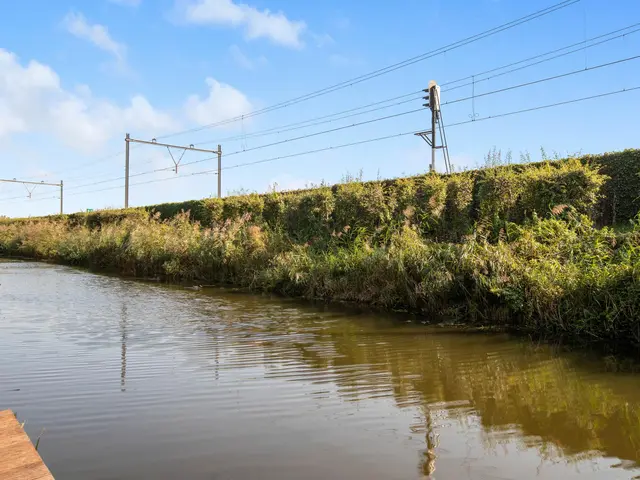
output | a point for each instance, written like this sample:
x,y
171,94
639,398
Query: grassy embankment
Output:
x,y
510,246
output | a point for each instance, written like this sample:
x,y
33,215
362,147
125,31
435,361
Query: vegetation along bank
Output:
x,y
537,247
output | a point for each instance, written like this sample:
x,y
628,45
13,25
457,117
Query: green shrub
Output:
x,y
458,203
620,200
569,183
236,207
273,211
308,214
360,205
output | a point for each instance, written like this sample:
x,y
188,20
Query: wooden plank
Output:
x,y
19,459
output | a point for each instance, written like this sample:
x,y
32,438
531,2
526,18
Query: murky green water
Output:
x,y
132,380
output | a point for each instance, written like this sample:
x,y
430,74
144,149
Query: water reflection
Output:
x,y
123,349
222,385
565,406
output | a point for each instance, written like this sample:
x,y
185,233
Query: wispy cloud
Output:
x,y
243,60
274,26
222,102
97,34
32,100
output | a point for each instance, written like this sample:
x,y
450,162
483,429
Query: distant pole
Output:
x,y
219,171
176,163
25,183
126,171
61,197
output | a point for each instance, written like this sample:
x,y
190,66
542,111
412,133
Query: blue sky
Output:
x,y
76,76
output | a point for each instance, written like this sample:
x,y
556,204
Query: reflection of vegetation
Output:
x,y
508,385
564,405
428,464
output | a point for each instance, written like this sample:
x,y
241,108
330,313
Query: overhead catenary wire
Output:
x,y
384,70
551,105
416,110
413,132
582,46
546,79
294,126
343,127
281,128
325,119
377,139
475,80
387,117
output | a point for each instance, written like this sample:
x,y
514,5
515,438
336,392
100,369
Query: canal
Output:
x,y
130,380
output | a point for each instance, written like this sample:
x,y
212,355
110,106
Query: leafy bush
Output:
x,y
360,205
620,199
458,205
307,215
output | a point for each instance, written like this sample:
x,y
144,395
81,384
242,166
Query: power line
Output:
x,y
251,149
385,70
309,122
323,132
542,107
386,137
583,47
100,160
541,80
281,129
362,123
415,111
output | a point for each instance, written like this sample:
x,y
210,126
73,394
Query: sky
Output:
x,y
76,76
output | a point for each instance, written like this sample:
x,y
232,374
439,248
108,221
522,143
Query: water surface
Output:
x,y
132,380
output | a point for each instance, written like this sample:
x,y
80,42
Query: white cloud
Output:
x,y
223,102
127,3
77,25
32,100
243,60
256,23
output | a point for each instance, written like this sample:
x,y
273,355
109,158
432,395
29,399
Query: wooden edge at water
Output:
x,y
19,459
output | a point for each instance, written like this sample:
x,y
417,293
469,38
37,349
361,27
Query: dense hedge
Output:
x,y
444,207
621,194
